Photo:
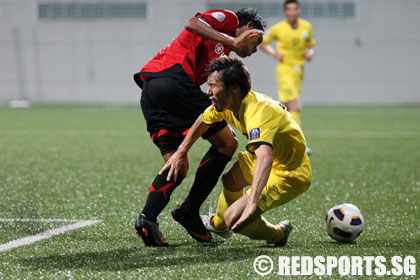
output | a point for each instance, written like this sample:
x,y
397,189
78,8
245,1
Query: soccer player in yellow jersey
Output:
x,y
295,46
275,164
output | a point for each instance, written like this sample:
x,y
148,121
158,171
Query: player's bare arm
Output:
x,y
240,44
271,52
262,172
178,162
199,26
309,53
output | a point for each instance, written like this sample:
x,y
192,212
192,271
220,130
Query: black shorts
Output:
x,y
170,107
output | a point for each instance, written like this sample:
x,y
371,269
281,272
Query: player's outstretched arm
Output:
x,y
271,52
178,162
261,174
199,26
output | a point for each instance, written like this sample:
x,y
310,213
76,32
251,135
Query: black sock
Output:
x,y
208,172
159,194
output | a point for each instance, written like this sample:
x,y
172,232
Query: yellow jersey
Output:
x,y
291,42
265,121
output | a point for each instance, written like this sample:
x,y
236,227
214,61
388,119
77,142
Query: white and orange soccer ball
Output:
x,y
344,222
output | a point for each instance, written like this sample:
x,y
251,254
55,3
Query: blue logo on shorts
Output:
x,y
254,134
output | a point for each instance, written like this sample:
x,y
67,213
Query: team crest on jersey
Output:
x,y
219,48
305,35
254,133
219,16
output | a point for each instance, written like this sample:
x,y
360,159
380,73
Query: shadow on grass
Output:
x,y
188,254
140,257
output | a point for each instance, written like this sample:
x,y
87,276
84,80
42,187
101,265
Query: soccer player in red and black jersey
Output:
x,y
172,100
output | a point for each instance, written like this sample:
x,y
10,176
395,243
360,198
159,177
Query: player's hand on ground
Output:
x,y
246,217
177,164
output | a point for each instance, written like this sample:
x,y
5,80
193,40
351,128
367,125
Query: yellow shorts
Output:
x,y
282,185
289,81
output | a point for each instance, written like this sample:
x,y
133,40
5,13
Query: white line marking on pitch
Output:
x,y
44,235
39,220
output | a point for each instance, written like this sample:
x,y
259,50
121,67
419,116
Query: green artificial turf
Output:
x,y
97,162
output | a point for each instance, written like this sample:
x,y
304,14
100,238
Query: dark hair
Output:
x,y
250,15
232,72
286,2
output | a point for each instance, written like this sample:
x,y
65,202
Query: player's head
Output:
x,y
229,82
250,15
291,10
249,19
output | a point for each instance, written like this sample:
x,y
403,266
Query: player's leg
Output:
x,y
233,189
257,228
288,78
293,103
289,81
158,119
224,144
294,107
281,188
158,197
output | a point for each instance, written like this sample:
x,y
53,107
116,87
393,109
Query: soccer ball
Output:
x,y
344,222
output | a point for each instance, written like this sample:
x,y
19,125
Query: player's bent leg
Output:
x,y
224,144
225,141
258,228
261,229
233,186
234,211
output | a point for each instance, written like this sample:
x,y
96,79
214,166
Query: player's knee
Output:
x,y
293,106
229,147
227,181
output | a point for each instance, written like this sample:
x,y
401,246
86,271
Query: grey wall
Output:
x,y
372,59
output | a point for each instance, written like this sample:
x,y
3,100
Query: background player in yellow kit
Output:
x,y
275,164
295,46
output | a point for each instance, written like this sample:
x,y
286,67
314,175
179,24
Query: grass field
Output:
x,y
97,163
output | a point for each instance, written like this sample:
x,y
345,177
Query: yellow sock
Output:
x,y
296,116
260,229
226,199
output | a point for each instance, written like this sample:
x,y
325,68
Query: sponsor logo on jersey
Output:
x,y
254,133
219,48
219,16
